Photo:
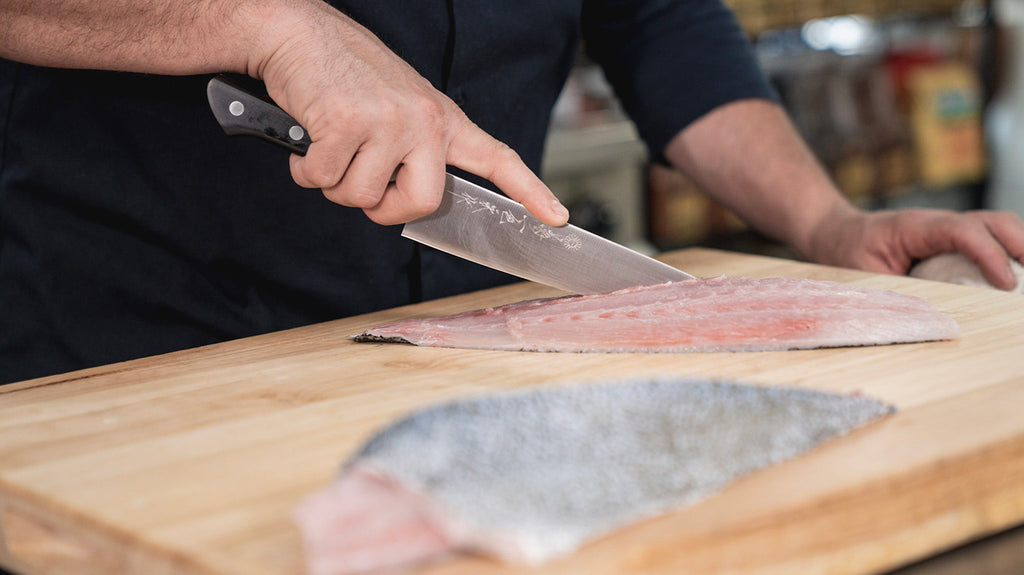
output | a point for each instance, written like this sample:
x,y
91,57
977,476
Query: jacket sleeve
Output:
x,y
671,61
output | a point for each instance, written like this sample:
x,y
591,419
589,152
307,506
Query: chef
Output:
x,y
132,226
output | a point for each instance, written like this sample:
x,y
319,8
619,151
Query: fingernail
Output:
x,y
559,210
1010,277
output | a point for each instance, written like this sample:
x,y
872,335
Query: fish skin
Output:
x,y
699,315
531,475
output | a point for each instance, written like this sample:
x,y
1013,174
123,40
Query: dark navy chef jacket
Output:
x,y
130,225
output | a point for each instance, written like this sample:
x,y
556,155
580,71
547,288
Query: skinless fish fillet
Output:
x,y
956,268
531,475
699,315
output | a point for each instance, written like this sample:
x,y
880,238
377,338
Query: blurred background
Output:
x,y
905,102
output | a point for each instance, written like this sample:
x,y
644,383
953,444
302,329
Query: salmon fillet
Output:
x,y
531,475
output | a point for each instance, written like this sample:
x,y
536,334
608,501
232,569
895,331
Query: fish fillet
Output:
x,y
956,268
699,315
528,476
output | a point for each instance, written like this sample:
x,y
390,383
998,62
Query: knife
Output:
x,y
472,222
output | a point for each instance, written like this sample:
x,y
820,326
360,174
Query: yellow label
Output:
x,y
946,111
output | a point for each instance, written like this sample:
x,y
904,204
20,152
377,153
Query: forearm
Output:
x,y
152,36
748,156
367,111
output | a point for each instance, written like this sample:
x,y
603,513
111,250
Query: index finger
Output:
x,y
475,151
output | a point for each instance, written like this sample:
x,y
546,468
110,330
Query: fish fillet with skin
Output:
x,y
528,476
699,315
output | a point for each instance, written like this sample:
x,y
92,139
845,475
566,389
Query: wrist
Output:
x,y
824,237
260,31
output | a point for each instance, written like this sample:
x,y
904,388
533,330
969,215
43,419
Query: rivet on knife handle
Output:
x,y
245,110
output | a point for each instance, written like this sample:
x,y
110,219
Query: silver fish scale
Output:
x,y
547,470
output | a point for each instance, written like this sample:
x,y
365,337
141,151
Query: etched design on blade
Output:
x,y
525,222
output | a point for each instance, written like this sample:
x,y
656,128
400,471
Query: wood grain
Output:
x,y
191,462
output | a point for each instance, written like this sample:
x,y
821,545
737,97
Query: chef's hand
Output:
x,y
368,112
891,241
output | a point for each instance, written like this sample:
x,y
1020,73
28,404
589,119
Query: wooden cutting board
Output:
x,y
191,462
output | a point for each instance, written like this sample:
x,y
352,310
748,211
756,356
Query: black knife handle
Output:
x,y
243,108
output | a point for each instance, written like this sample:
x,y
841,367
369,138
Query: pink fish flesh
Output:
x,y
531,475
699,315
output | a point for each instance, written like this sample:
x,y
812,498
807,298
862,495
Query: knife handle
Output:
x,y
243,108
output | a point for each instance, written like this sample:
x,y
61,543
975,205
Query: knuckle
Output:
x,y
431,121
505,154
387,109
506,163
432,111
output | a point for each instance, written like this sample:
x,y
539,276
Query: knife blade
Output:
x,y
472,222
